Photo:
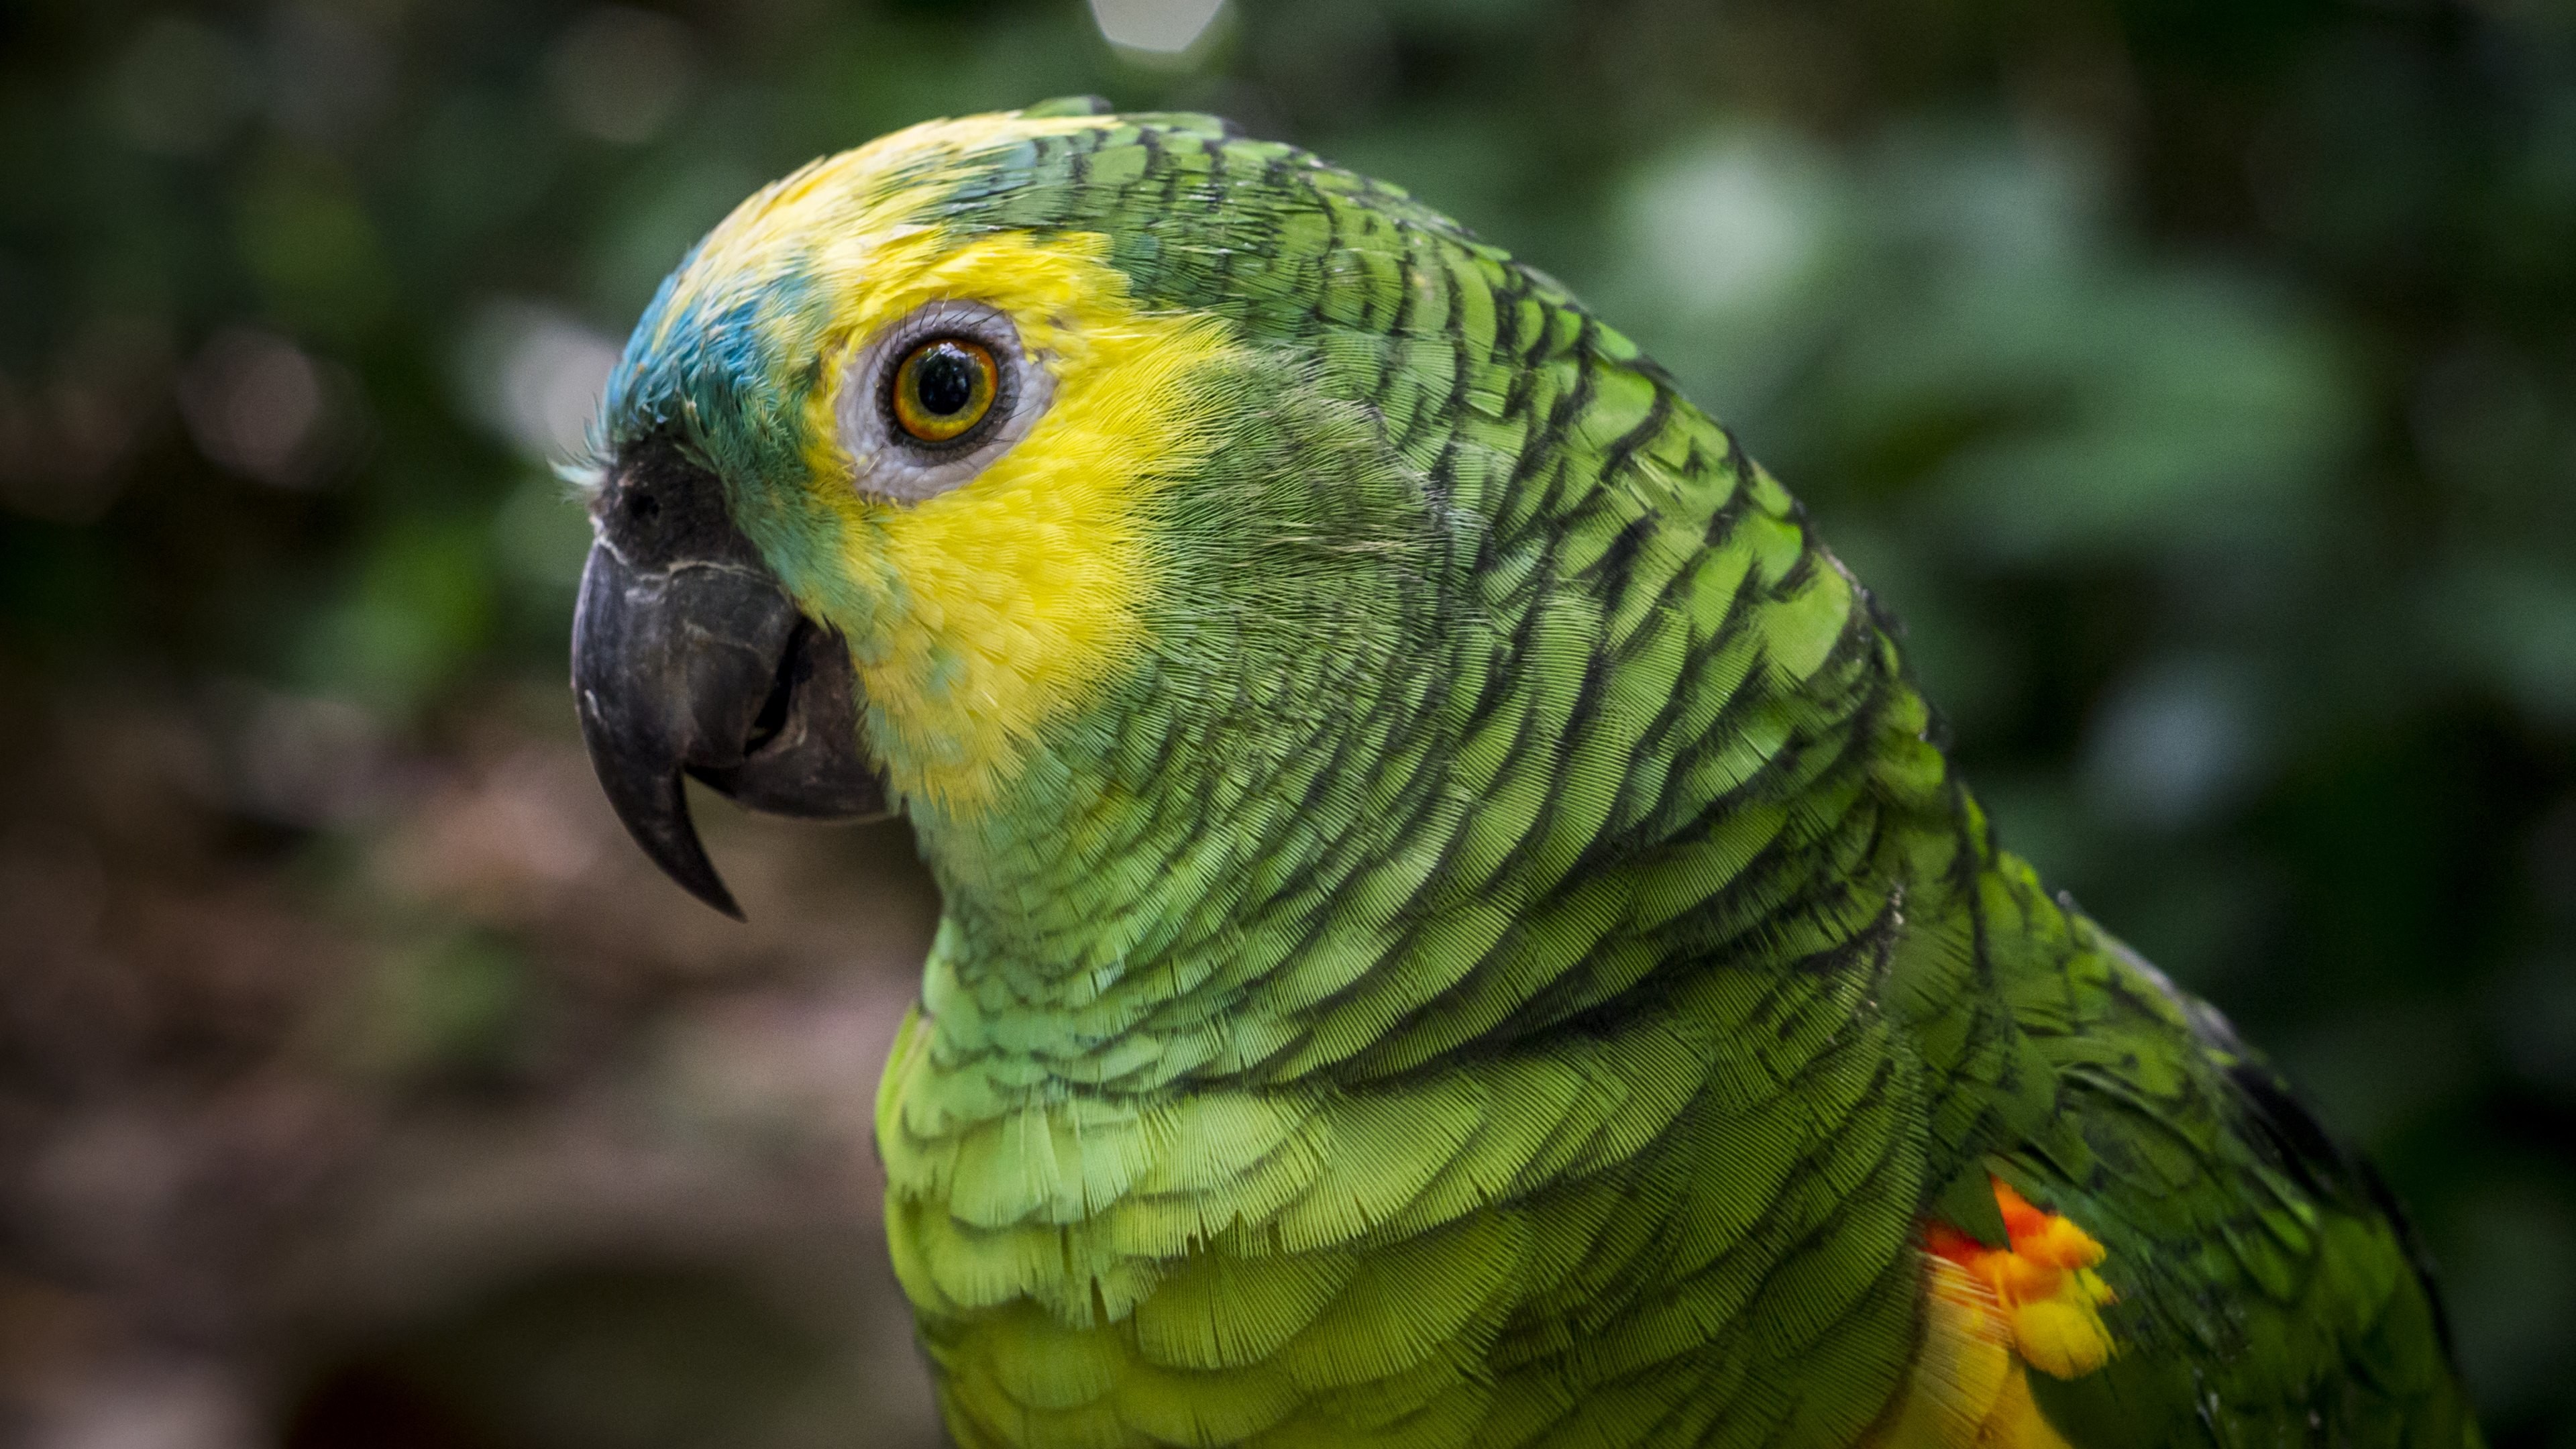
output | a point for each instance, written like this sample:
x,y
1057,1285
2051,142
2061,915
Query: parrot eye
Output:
x,y
934,397
943,388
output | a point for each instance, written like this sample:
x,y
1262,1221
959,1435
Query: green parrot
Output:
x,y
1457,930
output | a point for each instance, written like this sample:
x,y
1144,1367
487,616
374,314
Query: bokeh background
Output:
x,y
2198,378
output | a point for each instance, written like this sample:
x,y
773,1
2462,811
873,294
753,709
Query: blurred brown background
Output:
x,y
2197,376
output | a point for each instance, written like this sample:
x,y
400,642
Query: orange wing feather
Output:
x,y
1990,1316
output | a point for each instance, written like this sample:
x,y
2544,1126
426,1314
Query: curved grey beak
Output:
x,y
689,659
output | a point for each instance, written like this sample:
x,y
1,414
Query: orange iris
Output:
x,y
943,387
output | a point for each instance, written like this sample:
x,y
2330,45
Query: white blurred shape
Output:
x,y
1735,223
1155,27
2176,743
255,404
620,73
150,1405
534,374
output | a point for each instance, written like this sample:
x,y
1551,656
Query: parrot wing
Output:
x,y
2212,1266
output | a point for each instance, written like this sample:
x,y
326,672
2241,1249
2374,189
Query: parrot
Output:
x,y
1458,928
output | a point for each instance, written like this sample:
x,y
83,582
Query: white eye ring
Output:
x,y
890,463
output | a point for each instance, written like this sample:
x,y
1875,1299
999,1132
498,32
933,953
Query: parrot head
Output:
x,y
960,475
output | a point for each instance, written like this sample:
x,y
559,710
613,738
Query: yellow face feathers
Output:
x,y
987,588
1010,594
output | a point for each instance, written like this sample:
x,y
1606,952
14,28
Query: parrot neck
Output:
x,y
1529,805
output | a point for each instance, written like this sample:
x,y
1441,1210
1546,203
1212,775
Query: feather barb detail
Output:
x,y
1990,1316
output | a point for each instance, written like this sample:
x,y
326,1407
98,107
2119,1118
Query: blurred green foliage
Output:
x,y
2197,377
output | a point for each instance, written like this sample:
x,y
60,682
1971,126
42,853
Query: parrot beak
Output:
x,y
689,658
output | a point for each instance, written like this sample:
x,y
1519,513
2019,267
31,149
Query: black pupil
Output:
x,y
944,380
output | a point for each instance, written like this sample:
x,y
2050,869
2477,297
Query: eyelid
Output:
x,y
899,469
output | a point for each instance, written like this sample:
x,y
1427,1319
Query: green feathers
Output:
x,y
1498,962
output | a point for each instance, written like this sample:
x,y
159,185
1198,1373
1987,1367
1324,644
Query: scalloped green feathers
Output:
x,y
1491,957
